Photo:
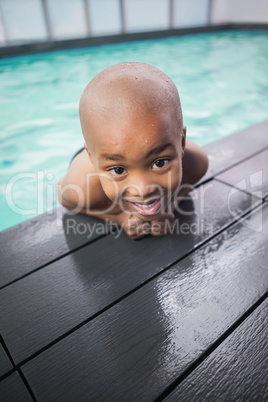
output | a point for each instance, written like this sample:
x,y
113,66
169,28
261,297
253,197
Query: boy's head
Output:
x,y
132,124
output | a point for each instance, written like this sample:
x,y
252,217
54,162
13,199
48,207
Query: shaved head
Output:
x,y
128,88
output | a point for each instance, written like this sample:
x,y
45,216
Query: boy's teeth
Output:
x,y
148,209
146,206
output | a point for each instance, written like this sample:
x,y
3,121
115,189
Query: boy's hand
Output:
x,y
137,228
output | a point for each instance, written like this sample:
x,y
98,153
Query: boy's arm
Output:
x,y
80,189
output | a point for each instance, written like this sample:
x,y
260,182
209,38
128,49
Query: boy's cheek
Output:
x,y
174,178
175,182
110,188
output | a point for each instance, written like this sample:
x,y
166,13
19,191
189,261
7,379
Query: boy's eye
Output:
x,y
117,171
160,163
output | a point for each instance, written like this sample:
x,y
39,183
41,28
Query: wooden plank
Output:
x,y
53,234
228,151
138,347
73,289
46,232
12,389
237,370
5,363
251,175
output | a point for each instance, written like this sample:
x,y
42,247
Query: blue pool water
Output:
x,y
222,79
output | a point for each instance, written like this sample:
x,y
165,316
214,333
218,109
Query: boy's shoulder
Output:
x,y
81,187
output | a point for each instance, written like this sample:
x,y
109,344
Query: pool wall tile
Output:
x,y
104,23
23,20
146,15
67,18
190,13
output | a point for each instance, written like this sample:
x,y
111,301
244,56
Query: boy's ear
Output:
x,y
89,154
183,139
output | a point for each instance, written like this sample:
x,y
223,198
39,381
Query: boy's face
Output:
x,y
138,159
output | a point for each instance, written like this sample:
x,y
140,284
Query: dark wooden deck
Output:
x,y
178,318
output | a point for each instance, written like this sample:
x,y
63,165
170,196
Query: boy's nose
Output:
x,y
141,187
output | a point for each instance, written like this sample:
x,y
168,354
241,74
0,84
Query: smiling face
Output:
x,y
136,142
139,161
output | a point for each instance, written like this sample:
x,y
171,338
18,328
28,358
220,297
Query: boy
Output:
x,y
136,162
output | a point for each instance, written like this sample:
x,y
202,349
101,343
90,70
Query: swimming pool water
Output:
x,y
222,79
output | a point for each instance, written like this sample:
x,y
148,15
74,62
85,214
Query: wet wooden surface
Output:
x,y
12,388
88,315
244,352
5,363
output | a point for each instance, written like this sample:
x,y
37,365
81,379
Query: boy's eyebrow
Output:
x,y
155,151
114,158
160,149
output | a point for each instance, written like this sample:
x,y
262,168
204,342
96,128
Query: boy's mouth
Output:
x,y
148,208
